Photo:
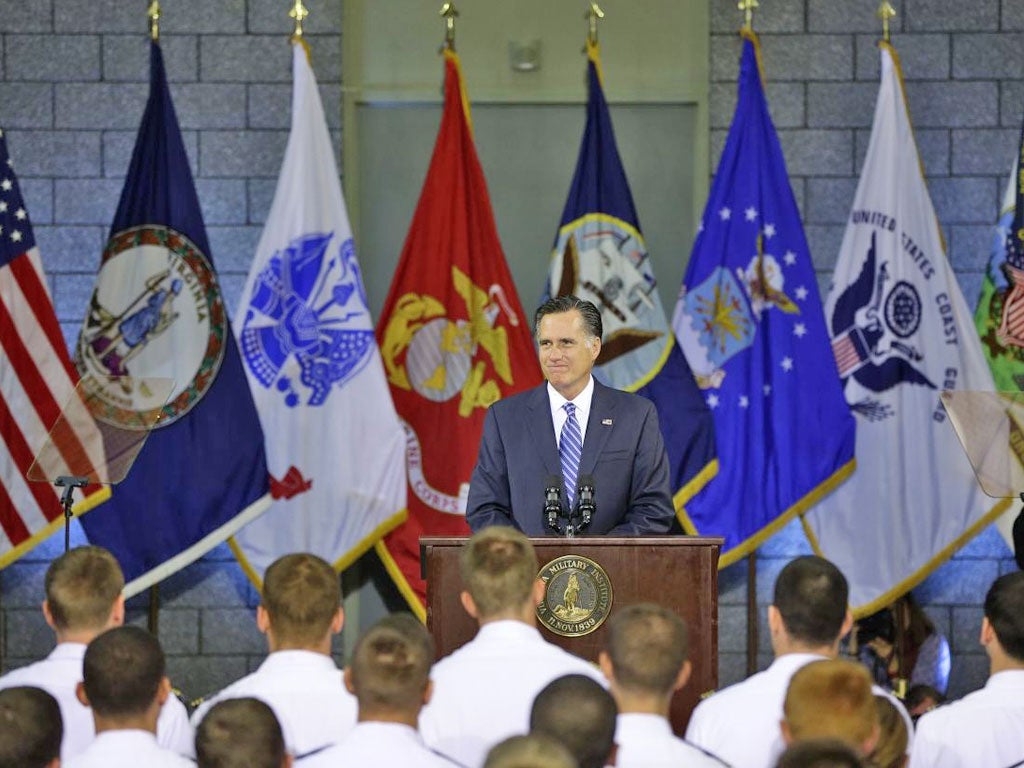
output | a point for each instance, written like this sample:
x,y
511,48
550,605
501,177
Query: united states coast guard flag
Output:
x,y
600,255
157,311
901,333
749,318
336,449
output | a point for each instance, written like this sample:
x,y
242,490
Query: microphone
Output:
x,y
553,501
585,500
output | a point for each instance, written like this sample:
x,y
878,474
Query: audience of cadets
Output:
x,y
300,611
390,678
30,728
241,733
580,715
807,618
820,753
82,599
831,699
984,728
646,662
893,739
124,684
483,690
532,750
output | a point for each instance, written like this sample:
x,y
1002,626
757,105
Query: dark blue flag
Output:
x,y
600,255
157,312
750,320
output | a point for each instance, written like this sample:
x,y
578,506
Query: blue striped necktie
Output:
x,y
570,451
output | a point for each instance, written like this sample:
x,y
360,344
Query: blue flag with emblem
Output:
x,y
600,255
157,311
750,320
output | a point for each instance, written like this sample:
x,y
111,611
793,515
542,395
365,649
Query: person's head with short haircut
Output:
x,y
589,314
1004,613
534,750
811,597
580,715
123,673
31,728
831,699
922,698
891,750
83,589
499,570
240,733
301,602
390,669
820,753
647,647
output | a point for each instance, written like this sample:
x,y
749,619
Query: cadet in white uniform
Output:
x,y
646,660
484,690
984,728
240,733
124,685
579,714
83,598
31,730
299,613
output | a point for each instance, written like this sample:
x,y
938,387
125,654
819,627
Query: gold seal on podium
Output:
x,y
577,596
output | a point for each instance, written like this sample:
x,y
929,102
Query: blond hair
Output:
x,y
301,594
499,568
831,699
82,586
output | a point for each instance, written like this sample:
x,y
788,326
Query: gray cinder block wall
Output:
x,y
72,87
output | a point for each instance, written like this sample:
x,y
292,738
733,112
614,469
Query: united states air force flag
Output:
x,y
600,255
335,447
901,333
157,311
749,318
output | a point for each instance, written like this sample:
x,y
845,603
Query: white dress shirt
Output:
x,y
582,402
647,741
484,691
127,749
59,675
984,729
306,691
378,745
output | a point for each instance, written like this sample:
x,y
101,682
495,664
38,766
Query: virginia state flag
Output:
x,y
453,336
336,450
901,333
749,318
157,311
600,255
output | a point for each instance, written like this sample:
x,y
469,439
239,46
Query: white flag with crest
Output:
x,y
335,448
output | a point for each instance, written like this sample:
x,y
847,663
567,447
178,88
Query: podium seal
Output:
x,y
577,596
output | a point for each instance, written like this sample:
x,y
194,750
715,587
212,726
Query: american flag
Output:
x,y
36,375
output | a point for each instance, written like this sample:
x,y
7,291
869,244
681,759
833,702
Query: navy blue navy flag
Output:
x,y
157,311
749,318
600,255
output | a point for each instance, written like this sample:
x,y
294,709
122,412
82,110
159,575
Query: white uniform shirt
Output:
x,y
484,691
59,675
647,741
127,749
373,745
984,729
306,691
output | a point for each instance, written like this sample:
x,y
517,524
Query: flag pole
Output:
x,y
593,15
449,13
153,615
748,6
153,12
886,12
298,13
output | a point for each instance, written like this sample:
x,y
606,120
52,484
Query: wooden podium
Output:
x,y
678,572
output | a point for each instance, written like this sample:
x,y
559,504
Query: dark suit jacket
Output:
x,y
623,450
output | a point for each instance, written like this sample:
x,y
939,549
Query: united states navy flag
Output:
x,y
157,311
600,255
750,320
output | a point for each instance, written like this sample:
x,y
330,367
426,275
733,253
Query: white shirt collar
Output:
x,y
582,402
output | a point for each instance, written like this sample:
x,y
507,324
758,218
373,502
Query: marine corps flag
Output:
x,y
901,333
336,448
749,319
157,311
453,336
600,255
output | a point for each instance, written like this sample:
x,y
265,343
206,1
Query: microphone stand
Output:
x,y
69,483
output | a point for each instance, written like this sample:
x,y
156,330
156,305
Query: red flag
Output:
x,y
453,336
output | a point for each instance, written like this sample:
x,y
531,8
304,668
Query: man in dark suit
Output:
x,y
568,429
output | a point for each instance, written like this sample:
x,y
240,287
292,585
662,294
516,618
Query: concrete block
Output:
x,y
261,197
80,16
732,668
26,105
231,289
788,543
840,18
210,105
807,57
203,18
1011,105
26,633
13,17
223,200
732,584
953,104
270,17
965,200
988,56
71,295
824,241
1012,16
67,154
960,582
178,630
979,151
21,585
220,554
941,618
118,147
126,58
725,58
732,628
786,103
818,152
72,249
966,629
233,248
841,105
53,58
198,676
969,249
829,200
1008,565
799,187
245,59
950,15
38,195
767,571
932,146
988,544
718,137
231,630
87,201
205,585
241,154
99,105
969,673
970,285
922,57
270,105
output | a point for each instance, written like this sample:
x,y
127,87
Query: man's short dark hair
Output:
x,y
591,315
391,665
81,588
648,646
240,733
1004,609
820,753
31,728
811,595
122,671
531,750
579,714
301,595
